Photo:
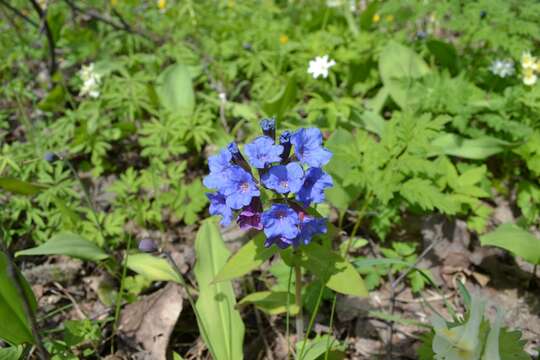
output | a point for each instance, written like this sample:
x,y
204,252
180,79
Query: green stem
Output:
x,y
88,201
312,320
298,300
287,318
328,344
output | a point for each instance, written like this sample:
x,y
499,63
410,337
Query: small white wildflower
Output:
x,y
529,77
320,66
528,61
91,81
222,97
502,68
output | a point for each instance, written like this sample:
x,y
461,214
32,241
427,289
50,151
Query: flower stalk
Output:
x,y
298,301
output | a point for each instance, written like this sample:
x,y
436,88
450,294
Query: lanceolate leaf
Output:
x,y
248,258
152,267
271,302
516,240
19,187
14,325
68,244
222,326
337,272
477,149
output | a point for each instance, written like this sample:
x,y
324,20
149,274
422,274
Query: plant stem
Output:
x,y
298,300
328,344
287,318
312,320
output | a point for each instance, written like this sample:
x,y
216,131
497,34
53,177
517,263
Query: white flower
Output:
x,y
529,77
502,68
528,61
320,66
91,81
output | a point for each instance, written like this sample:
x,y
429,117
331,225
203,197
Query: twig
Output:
x,y
42,352
18,13
124,26
48,33
393,286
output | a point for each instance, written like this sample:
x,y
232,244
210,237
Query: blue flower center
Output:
x,y
284,183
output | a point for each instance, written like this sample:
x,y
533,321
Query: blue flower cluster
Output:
x,y
290,168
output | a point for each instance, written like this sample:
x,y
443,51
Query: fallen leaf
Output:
x,y
148,324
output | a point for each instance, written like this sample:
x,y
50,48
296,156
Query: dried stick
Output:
x,y
48,33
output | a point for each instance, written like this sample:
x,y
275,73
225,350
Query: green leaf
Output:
x,y
283,101
445,54
317,347
152,268
222,324
14,327
271,302
177,356
399,66
175,90
248,258
19,187
11,353
491,351
338,274
477,149
68,244
511,346
516,240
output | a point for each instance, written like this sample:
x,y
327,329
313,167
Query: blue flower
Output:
x,y
308,147
309,227
237,157
219,165
262,151
284,178
315,181
280,221
239,187
218,206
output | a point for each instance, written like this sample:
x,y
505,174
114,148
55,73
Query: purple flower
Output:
x,y
268,127
284,178
218,206
239,188
315,181
308,147
280,221
250,216
262,151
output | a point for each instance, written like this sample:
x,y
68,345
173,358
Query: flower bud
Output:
x,y
237,156
268,127
147,245
285,141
